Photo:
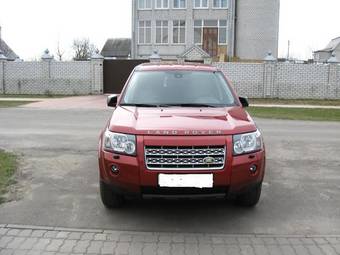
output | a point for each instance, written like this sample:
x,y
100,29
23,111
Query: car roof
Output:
x,y
176,67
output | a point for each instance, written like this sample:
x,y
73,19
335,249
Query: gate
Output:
x,y
116,72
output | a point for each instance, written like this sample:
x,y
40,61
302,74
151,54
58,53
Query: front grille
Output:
x,y
185,158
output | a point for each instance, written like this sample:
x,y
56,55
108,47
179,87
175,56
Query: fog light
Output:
x,y
114,169
253,169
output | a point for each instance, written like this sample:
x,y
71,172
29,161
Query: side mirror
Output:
x,y
112,100
244,101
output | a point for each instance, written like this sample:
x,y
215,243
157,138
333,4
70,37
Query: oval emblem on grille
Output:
x,y
208,160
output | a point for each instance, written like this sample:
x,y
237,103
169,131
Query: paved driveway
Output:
x,y
58,185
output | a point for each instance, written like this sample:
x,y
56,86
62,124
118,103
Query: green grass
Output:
x,y
6,104
8,165
325,102
295,113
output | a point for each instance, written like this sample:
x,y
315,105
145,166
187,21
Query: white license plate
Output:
x,y
186,180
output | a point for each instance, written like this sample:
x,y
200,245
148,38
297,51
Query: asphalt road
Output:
x,y
58,180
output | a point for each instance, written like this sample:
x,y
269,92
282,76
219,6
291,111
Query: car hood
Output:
x,y
181,121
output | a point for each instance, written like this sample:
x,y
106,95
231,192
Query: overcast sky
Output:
x,y
30,26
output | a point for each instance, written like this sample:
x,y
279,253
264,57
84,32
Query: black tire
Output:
x,y
109,198
249,198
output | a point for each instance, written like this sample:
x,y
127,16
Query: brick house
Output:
x,y
6,50
323,55
225,29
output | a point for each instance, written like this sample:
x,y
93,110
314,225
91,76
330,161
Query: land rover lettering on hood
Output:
x,y
180,131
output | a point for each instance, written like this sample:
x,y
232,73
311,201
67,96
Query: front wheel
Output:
x,y
109,198
251,197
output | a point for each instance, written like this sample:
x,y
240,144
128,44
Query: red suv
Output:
x,y
180,130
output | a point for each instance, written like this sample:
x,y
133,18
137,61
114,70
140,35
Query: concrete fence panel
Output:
x,y
284,80
51,77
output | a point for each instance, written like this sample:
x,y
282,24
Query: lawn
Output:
x,y
8,165
6,104
324,102
295,113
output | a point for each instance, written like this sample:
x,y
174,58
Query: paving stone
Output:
x,y
191,249
87,236
260,249
333,240
62,235
164,248
13,232
230,240
5,240
286,250
327,249
75,236
313,249
247,249
95,247
81,246
177,249
164,238
136,248
113,236
300,249
6,252
125,238
178,238
100,237
41,244
67,246
205,249
122,248
244,240
320,240
3,231
108,247
306,240
15,243
51,234
38,233
221,249
217,240
29,243
25,232
54,245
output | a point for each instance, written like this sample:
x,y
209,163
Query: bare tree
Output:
x,y
60,52
83,49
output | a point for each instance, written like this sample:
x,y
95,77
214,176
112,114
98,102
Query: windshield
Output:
x,y
184,88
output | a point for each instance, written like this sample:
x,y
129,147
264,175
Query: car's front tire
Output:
x,y
251,197
109,198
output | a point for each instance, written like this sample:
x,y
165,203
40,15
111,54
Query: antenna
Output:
x,y
288,52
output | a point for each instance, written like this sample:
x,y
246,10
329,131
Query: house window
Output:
x,y
220,24
162,31
162,4
178,31
222,32
180,4
198,31
144,32
200,3
220,4
144,4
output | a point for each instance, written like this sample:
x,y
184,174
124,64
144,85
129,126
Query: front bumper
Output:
x,y
133,178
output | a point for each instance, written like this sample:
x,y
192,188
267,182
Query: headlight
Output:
x,y
247,143
120,143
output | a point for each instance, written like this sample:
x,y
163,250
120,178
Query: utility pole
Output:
x,y
288,52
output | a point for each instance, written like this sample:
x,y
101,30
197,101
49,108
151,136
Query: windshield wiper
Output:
x,y
193,105
144,105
